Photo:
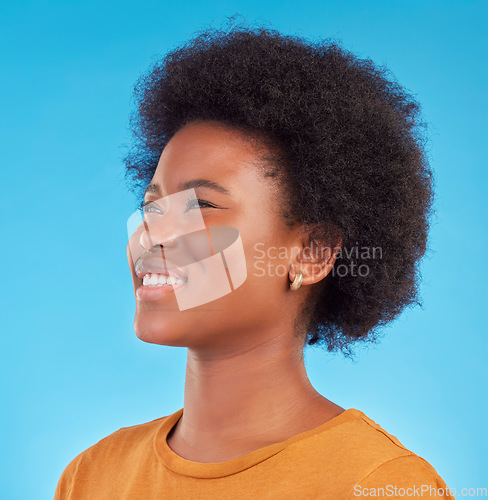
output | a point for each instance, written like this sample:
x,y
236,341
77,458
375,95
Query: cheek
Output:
x,y
264,236
268,260
267,275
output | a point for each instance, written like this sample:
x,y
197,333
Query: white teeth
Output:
x,y
160,280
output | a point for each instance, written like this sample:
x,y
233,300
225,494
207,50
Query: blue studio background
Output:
x,y
72,369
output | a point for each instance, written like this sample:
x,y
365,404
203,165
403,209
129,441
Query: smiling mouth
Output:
x,y
163,279
155,272
155,286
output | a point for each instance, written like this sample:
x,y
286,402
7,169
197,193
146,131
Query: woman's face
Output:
x,y
255,311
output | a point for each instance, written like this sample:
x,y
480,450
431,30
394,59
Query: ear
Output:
x,y
315,257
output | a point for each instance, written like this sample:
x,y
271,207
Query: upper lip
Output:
x,y
155,264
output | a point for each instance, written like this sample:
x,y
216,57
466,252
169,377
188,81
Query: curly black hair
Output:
x,y
351,145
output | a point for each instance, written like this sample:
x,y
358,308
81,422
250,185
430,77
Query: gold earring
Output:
x,y
297,282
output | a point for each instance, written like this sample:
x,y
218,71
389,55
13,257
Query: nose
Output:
x,y
159,232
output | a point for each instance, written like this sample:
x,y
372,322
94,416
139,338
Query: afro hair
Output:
x,y
352,148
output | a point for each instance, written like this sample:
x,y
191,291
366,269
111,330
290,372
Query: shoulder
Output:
x,y
132,437
402,477
367,458
353,434
107,451
389,468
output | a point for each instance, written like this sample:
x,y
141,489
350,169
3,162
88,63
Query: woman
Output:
x,y
297,198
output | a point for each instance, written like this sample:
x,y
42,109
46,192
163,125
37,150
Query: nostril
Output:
x,y
170,242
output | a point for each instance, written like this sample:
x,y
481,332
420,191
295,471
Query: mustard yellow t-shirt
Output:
x,y
347,457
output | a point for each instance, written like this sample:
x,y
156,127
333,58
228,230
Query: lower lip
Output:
x,y
151,293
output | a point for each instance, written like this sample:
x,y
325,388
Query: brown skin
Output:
x,y
246,385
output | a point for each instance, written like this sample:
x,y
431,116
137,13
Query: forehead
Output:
x,y
207,150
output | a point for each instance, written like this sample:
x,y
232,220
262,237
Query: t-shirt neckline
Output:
x,y
190,468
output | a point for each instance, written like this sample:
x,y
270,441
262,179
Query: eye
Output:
x,y
148,207
193,203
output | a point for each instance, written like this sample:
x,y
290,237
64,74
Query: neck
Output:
x,y
248,399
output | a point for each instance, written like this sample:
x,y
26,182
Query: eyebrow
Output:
x,y
154,188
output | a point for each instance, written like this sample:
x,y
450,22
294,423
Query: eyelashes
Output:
x,y
190,205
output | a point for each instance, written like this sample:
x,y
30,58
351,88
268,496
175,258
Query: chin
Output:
x,y
161,327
